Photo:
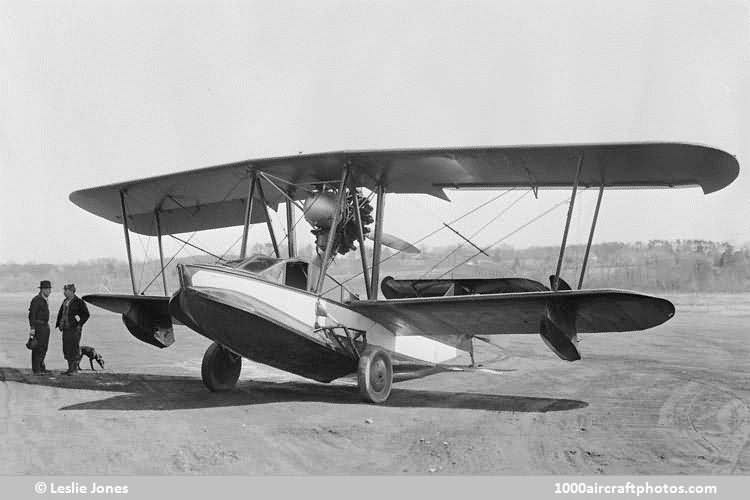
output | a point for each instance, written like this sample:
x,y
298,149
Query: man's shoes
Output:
x,y
72,368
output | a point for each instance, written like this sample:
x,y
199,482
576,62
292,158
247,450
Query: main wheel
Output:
x,y
375,375
220,369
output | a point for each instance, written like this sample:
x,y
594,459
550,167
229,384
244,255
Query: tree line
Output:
x,y
656,265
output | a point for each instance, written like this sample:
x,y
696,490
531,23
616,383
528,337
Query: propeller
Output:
x,y
396,243
319,212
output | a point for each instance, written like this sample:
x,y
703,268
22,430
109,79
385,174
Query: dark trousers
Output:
x,y
71,339
40,351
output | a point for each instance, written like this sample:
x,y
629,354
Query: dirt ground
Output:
x,y
673,400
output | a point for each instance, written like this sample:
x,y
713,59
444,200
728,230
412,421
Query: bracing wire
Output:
x,y
508,235
185,243
432,233
475,233
145,249
167,264
294,226
239,238
286,231
192,245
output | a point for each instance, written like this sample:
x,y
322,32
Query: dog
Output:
x,y
92,355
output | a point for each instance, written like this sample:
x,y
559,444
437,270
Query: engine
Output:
x,y
319,213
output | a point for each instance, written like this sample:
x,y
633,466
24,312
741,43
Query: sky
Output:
x,y
97,92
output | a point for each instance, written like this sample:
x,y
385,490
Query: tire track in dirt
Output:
x,y
709,422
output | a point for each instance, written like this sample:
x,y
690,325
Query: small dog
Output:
x,y
92,355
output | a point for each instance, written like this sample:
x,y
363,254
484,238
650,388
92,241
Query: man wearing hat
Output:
x,y
70,319
39,327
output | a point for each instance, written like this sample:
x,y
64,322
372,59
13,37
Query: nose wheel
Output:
x,y
375,375
220,369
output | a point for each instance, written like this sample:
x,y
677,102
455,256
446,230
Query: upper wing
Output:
x,y
508,313
215,197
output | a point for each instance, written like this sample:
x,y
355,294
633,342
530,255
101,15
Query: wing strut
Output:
x,y
332,231
248,212
360,237
268,221
127,240
291,238
161,252
378,242
591,235
567,223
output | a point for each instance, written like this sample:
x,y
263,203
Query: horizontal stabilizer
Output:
x,y
146,317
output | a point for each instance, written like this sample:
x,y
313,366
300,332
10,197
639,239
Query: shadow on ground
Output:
x,y
137,391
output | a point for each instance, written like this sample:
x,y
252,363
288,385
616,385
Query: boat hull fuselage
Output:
x,y
259,339
278,325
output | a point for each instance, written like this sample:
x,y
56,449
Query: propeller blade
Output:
x,y
397,243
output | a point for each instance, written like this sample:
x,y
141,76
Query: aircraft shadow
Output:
x,y
137,391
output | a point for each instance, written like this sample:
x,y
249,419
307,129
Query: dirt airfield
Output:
x,y
673,400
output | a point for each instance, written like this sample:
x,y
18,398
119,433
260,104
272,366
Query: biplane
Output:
x,y
273,309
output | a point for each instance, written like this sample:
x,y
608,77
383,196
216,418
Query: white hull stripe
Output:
x,y
302,307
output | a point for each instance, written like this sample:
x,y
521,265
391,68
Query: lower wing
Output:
x,y
556,315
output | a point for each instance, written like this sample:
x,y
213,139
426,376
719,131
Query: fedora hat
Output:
x,y
45,284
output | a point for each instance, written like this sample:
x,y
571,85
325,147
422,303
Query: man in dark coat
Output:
x,y
39,327
70,320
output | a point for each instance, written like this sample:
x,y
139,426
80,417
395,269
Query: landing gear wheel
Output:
x,y
375,375
220,369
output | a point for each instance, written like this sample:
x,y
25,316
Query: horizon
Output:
x,y
304,250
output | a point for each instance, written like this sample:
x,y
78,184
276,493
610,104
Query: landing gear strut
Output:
x,y
220,369
375,375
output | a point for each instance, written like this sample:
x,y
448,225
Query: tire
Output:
x,y
220,369
375,375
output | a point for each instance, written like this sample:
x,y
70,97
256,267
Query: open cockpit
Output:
x,y
292,272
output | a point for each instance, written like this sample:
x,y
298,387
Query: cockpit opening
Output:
x,y
292,272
